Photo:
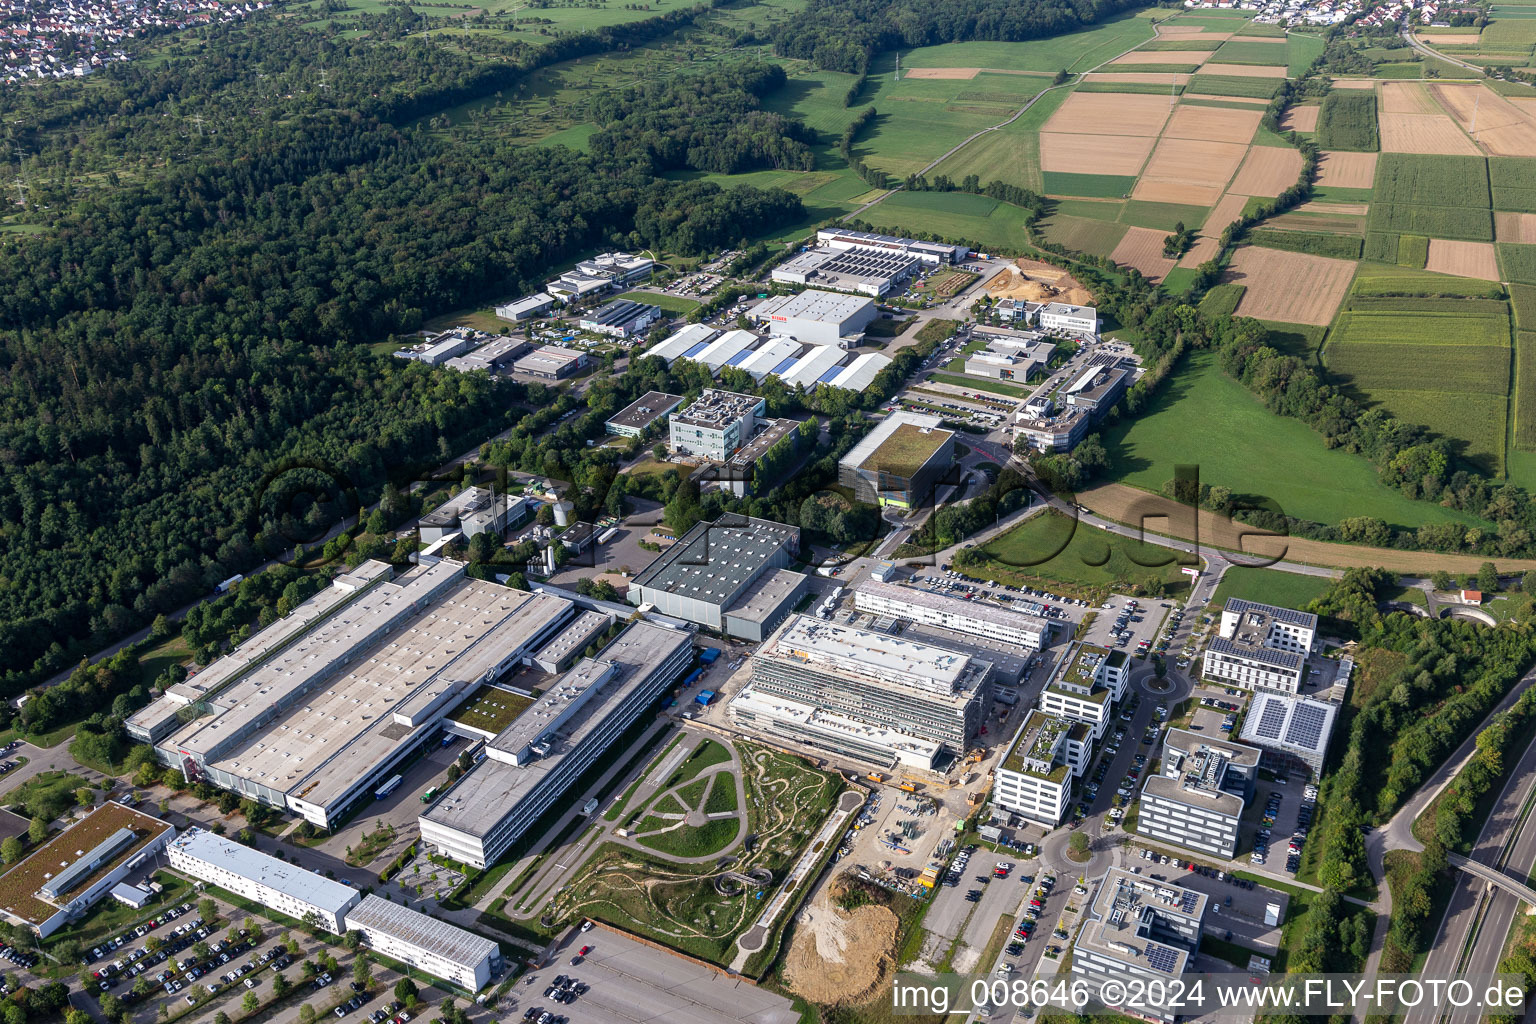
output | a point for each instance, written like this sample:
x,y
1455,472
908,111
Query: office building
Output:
x,y
1292,732
1037,777
527,307
621,318
978,618
600,274
1198,800
817,317
1260,647
1009,358
1069,319
1048,427
70,873
441,949
552,362
276,884
899,462
739,473
928,252
712,569
715,425
534,761
1098,387
561,653
862,271
1137,930
491,356
474,510
640,415
310,714
1087,683
891,689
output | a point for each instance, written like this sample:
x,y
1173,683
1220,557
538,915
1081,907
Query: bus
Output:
x,y
386,789
426,797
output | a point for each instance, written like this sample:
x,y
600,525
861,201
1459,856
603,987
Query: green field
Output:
x,y
1010,154
1190,45
921,118
1514,182
1525,390
1376,279
1075,51
1271,54
669,303
1083,234
1517,262
996,387
1232,85
1348,121
1436,196
1001,228
1269,586
1222,299
1301,49
1140,213
1317,243
1053,547
1205,418
1509,31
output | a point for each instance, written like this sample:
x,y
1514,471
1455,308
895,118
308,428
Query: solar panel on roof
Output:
x,y
1187,904
1162,959
739,357
1271,720
827,377
695,350
1306,726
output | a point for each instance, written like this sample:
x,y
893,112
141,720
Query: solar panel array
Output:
x,y
1162,958
1187,903
1271,720
1306,729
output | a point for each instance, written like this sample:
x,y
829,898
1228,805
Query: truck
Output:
x,y
224,588
429,795
388,788
588,807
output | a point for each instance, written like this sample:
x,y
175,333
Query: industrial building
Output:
x,y
1087,684
900,461
928,252
1138,930
978,618
820,364
441,949
712,569
860,373
765,603
1291,732
554,362
741,468
527,307
491,356
312,712
276,884
561,652
1036,779
817,317
533,762
864,695
1009,358
771,357
638,416
440,348
472,511
862,271
686,343
1260,647
71,872
1198,800
621,318
1097,388
600,274
729,349
1047,427
715,425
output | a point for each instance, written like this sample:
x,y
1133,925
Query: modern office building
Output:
x,y
277,884
563,651
862,271
978,618
817,317
1048,427
715,425
739,474
892,689
1260,647
928,252
553,362
600,274
311,713
437,947
1062,316
621,318
472,511
1137,929
899,461
1292,732
1036,779
535,760
440,348
1087,683
1006,359
1198,800
71,872
638,416
712,569
527,307
1097,388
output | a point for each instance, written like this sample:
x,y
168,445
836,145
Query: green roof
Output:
x,y
1097,696
1039,728
907,449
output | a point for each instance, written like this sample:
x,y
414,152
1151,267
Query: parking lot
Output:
x,y
1126,623
1236,912
628,982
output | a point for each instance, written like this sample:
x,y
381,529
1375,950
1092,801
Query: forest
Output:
x,y
170,343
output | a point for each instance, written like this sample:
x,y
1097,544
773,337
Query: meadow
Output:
x,y
1317,243
1053,547
1010,154
1074,51
949,214
1270,586
1525,390
1229,85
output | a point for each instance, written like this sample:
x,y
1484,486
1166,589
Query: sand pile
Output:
x,y
840,958
1038,282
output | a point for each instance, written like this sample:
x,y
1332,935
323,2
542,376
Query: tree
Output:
x,y
353,939
221,1018
1442,580
306,1014
37,831
659,452
67,950
73,1016
11,850
361,973
405,989
281,985
250,1004
545,516
1078,845
207,910
1487,578
84,797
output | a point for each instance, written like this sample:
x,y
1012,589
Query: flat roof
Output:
x,y
814,305
1289,616
983,611
907,449
576,635
1009,659
766,594
751,700
645,410
309,887
1121,922
20,887
1290,723
754,449
717,409
548,357
713,561
619,312
1037,740
479,801
860,453
440,938
679,343
847,650
1255,650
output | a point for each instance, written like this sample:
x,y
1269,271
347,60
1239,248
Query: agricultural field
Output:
x,y
1347,122
1346,170
1341,247
1502,127
1525,391
951,215
1437,196
1513,183
1142,248
1229,84
1074,51
1463,259
1290,287
1010,154
1267,171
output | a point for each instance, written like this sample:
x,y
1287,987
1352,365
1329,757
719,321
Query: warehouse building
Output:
x,y
712,569
1291,732
771,357
715,425
1087,683
277,884
928,252
600,274
561,653
491,356
472,511
621,318
441,949
978,618
729,349
440,348
820,364
1138,931
817,317
74,870
638,416
533,762
687,342
765,604
864,695
860,373
862,271
552,362
527,307
1260,647
1198,800
899,462
1036,779
310,717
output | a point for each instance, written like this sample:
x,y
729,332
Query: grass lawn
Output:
x,y
710,837
1205,418
996,387
1270,586
670,303
708,753
1074,51
173,651
1002,228
1052,547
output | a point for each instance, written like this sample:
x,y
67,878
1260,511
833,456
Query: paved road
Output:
x,y
1413,41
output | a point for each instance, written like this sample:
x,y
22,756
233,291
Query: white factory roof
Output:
x,y
725,348
762,362
837,648
814,305
982,611
860,373
452,943
812,365
682,341
289,879
818,719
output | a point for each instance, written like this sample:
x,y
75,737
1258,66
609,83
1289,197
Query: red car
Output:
x,y
584,950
